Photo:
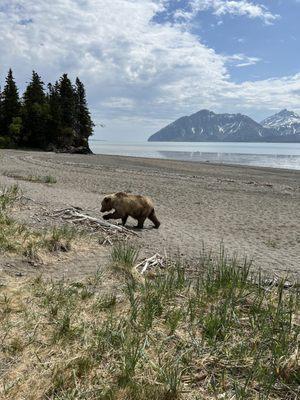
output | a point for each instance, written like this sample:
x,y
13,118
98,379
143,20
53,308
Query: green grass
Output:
x,y
124,255
272,243
32,178
8,196
16,237
214,333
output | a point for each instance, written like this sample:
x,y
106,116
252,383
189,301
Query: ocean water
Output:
x,y
276,155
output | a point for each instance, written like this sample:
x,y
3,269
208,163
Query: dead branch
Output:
x,y
72,215
151,263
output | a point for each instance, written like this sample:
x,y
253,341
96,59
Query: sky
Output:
x,y
146,63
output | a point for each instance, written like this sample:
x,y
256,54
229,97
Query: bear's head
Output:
x,y
106,204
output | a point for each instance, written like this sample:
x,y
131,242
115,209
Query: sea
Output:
x,y
275,155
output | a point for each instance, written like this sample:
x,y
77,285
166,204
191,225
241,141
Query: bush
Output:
x,y
5,142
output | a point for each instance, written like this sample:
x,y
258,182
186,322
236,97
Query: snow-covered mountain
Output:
x,y
285,123
206,125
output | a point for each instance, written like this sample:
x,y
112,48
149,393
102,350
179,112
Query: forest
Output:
x,y
56,119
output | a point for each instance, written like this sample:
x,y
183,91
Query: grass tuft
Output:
x,y
8,197
124,255
49,179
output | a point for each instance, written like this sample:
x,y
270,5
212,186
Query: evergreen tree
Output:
x,y
3,140
35,114
68,110
84,123
54,123
15,129
1,114
10,106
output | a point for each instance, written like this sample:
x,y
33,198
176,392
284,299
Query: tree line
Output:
x,y
54,119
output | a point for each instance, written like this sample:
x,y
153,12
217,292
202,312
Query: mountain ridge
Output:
x,y
206,125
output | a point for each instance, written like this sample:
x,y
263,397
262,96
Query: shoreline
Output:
x,y
250,155
206,163
160,160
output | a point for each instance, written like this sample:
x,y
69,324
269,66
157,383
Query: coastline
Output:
x,y
252,211
274,155
203,163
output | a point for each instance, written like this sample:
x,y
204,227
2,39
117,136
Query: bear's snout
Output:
x,y
106,204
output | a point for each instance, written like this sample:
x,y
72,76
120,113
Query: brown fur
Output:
x,y
129,205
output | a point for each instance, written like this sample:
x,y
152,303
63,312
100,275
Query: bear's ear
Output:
x,y
107,200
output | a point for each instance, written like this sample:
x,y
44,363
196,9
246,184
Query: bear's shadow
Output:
x,y
135,228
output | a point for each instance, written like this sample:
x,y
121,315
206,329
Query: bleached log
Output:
x,y
108,240
101,222
145,267
150,263
70,213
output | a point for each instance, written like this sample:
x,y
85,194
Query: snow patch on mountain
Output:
x,y
285,123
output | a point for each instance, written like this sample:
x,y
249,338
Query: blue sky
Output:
x,y
147,62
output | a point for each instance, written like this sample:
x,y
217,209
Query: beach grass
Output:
x,y
124,255
49,179
18,238
211,331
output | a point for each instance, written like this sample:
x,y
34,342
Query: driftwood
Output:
x,y
149,264
75,216
276,281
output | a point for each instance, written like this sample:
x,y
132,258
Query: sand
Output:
x,y
254,212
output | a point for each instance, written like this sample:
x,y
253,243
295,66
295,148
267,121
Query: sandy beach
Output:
x,y
254,212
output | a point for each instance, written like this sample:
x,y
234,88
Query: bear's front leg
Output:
x,y
114,215
141,223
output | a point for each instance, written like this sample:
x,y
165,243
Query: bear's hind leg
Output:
x,y
154,219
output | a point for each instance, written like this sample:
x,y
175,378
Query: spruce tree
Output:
x,y
84,123
3,140
54,127
68,110
35,114
11,107
1,114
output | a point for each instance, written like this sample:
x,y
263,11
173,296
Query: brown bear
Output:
x,y
125,205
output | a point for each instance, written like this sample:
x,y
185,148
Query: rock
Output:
x,y
70,149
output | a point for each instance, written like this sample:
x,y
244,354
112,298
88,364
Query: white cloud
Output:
x,y
139,74
120,103
233,7
241,60
271,93
246,8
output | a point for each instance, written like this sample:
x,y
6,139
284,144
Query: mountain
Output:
x,y
206,125
285,123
